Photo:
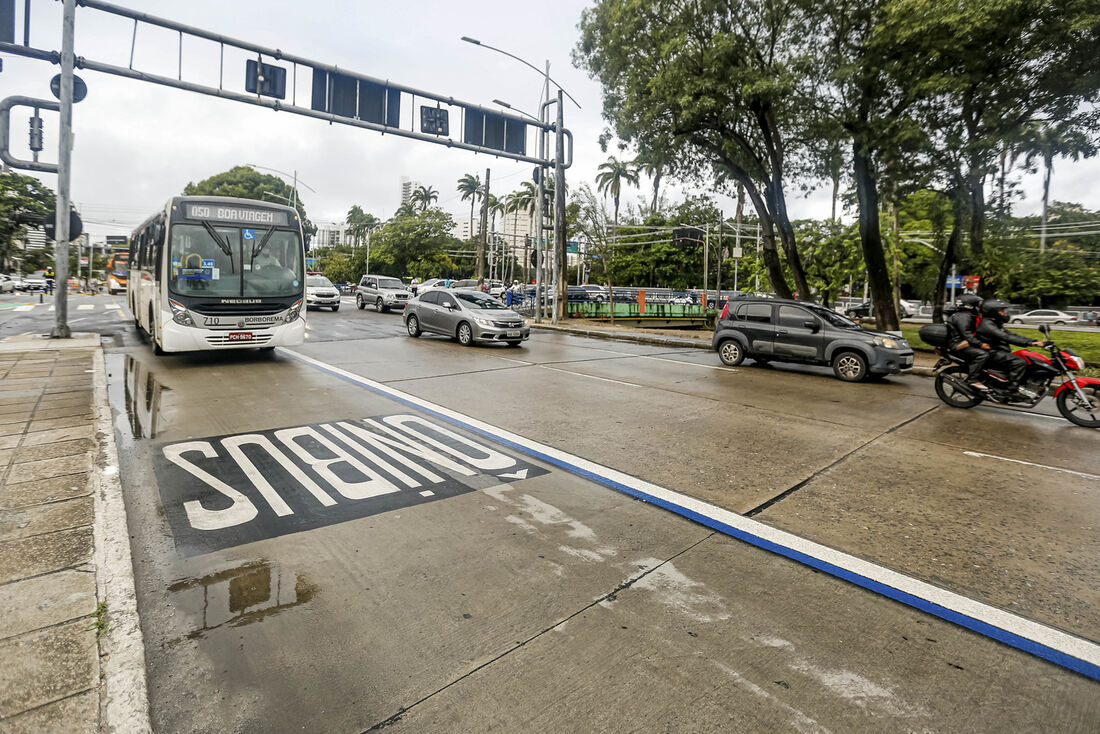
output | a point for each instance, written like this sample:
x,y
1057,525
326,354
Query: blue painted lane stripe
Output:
x,y
1066,650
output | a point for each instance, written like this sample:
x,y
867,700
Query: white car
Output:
x,y
1044,316
7,284
321,293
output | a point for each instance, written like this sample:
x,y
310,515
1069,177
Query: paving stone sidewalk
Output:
x,y
52,613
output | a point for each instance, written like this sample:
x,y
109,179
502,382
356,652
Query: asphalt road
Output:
x,y
371,530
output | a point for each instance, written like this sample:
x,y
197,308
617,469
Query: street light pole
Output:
x,y
64,175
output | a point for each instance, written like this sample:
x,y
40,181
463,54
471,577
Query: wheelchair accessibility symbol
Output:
x,y
249,234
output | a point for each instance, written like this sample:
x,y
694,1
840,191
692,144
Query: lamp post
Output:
x,y
559,180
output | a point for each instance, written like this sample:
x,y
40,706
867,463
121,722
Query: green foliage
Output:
x,y
410,246
832,257
23,201
246,182
340,268
359,224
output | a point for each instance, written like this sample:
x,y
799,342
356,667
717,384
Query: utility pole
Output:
x,y
64,175
560,293
484,231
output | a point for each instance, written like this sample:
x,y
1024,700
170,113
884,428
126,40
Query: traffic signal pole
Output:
x,y
64,176
561,282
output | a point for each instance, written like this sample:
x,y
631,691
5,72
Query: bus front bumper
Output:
x,y
177,338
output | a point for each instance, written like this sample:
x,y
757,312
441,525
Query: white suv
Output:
x,y
382,292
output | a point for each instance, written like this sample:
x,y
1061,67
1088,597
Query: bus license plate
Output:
x,y
240,336
515,332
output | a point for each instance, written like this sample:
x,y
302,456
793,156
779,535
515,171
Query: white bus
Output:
x,y
211,272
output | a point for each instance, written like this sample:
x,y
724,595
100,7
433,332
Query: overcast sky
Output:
x,y
136,144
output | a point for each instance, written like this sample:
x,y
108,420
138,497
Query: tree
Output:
x,y
710,85
609,180
23,201
1047,140
594,226
407,245
469,186
359,223
424,196
246,182
652,165
526,199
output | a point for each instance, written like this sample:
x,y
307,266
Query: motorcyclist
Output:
x,y
963,340
991,330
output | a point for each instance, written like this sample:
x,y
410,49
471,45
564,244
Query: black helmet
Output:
x,y
995,309
969,301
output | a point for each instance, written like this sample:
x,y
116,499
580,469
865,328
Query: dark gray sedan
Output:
x,y
468,316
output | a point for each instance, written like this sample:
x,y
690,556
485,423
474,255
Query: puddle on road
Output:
x,y
238,596
143,395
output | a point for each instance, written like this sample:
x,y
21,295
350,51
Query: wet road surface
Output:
x,y
320,593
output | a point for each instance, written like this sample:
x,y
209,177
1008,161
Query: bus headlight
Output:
x,y
180,314
294,312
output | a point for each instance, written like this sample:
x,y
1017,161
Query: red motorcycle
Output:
x,y
1077,398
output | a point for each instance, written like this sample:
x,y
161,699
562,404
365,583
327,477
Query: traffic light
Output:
x,y
36,134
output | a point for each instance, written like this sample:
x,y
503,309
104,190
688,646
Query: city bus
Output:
x,y
210,272
118,267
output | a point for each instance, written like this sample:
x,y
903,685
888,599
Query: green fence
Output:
x,y
590,310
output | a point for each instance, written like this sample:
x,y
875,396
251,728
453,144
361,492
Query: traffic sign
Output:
x,y
80,89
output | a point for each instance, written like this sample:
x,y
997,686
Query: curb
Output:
x,y
123,697
664,341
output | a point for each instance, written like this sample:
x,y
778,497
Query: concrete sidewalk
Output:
x,y
71,654
676,338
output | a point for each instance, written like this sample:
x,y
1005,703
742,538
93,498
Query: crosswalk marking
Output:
x,y
23,308
109,306
49,307
85,307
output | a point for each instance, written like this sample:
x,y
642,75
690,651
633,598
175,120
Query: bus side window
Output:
x,y
158,242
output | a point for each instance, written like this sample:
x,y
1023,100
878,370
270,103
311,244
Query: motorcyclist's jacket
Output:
x,y
962,327
998,337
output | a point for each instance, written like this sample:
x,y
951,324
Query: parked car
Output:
x,y
468,284
795,331
1044,316
7,284
382,292
431,283
321,293
468,316
33,284
866,310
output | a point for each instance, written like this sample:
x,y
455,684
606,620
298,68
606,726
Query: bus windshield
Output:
x,y
234,264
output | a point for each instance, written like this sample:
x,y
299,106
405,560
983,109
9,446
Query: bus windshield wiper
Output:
x,y
256,249
223,245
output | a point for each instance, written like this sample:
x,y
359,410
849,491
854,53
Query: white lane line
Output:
x,y
22,308
690,364
1028,463
517,361
109,306
591,377
1051,644
85,307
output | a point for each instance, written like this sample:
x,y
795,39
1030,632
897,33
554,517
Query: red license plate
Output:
x,y
240,336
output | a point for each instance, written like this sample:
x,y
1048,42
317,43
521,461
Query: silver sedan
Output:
x,y
1044,316
468,316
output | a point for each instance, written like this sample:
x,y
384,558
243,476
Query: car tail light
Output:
x,y
725,311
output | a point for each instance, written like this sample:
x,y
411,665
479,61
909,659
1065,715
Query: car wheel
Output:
x,y
850,366
465,334
731,353
379,306
412,324
1059,323
359,304
336,308
1017,321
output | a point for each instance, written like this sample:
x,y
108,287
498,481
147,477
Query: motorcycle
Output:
x,y
1077,398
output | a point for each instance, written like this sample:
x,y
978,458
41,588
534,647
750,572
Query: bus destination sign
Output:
x,y
237,214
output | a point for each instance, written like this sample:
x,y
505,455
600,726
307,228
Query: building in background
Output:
x,y
330,234
408,186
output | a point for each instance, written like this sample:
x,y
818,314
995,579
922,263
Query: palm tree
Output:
x,y
610,180
359,223
652,165
470,187
424,197
1047,141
